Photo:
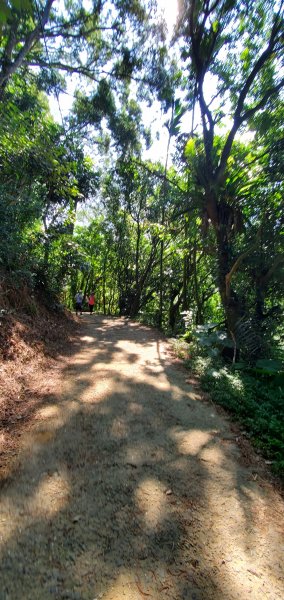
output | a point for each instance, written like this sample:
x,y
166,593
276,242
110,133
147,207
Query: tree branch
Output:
x,y
161,176
81,34
63,67
239,118
251,111
31,39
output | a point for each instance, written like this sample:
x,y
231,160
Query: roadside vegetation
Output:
x,y
251,392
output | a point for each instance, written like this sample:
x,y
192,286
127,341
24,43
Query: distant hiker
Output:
x,y
91,302
78,302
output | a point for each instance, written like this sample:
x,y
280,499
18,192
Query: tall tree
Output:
x,y
233,52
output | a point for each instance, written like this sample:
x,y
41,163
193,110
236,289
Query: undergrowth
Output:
x,y
257,403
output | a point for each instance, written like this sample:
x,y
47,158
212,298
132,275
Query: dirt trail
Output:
x,y
129,487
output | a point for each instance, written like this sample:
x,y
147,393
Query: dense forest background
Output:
x,y
191,243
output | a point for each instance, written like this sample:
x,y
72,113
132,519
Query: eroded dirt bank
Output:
x,y
127,486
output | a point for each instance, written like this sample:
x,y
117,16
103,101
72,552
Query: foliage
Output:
x,y
194,246
43,179
255,402
238,48
56,37
176,238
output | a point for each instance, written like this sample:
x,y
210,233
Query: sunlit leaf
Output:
x,y
189,150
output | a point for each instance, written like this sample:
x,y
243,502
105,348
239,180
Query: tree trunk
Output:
x,y
174,306
185,305
161,294
164,195
199,306
219,214
11,66
104,285
135,305
231,303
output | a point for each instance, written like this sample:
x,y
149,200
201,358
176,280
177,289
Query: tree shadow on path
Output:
x,y
129,486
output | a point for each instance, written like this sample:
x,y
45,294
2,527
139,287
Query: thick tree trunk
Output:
x,y
161,291
135,306
185,279
199,313
219,215
186,270
174,307
231,303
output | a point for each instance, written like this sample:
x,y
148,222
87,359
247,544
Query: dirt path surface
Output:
x,y
128,486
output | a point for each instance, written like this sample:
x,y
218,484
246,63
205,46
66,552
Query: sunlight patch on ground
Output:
x,y
48,420
55,416
191,442
178,394
87,338
119,428
127,586
150,499
135,408
51,495
154,370
157,380
52,411
237,529
234,531
135,456
97,393
2,441
70,407
213,455
146,378
83,361
7,527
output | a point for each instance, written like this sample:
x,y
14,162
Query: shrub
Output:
x,y
258,404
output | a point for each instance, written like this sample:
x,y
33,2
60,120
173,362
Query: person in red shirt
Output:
x,y
91,301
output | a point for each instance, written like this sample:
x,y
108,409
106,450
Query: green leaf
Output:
x,y
244,54
5,12
269,365
189,150
240,366
215,26
22,5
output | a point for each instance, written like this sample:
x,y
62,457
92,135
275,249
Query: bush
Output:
x,y
258,404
